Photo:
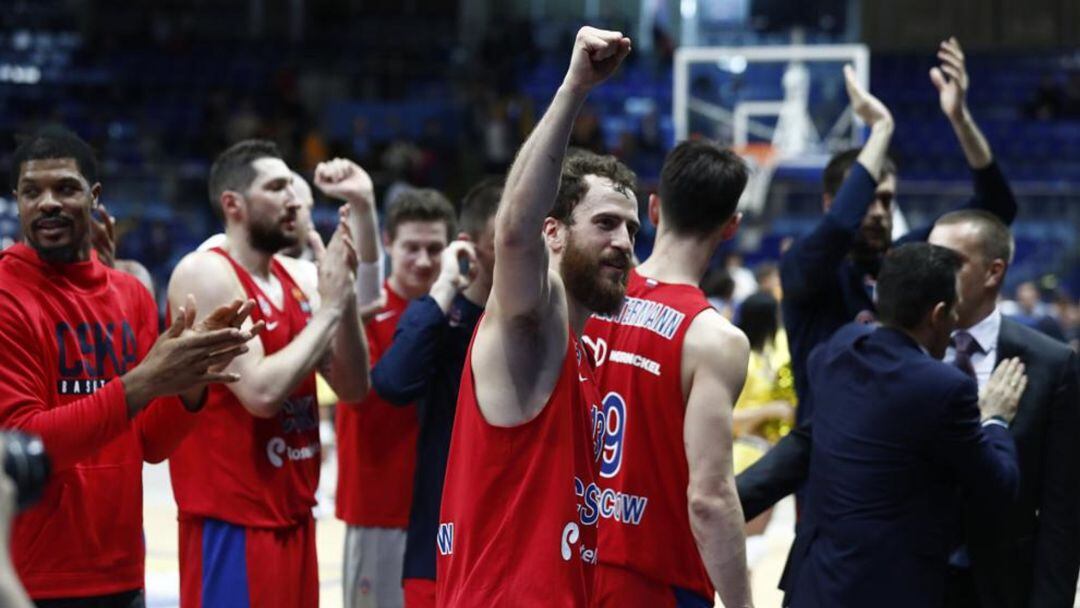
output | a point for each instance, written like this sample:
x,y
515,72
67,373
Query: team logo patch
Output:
x,y
301,299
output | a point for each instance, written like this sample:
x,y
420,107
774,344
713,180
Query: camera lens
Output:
x,y
26,463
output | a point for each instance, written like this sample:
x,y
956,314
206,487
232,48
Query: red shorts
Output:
x,y
222,564
616,587
419,593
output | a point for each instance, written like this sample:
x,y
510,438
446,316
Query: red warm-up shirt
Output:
x,y
377,442
519,514
67,332
644,474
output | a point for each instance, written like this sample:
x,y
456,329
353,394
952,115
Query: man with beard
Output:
x,y
517,527
82,366
670,369
245,481
828,275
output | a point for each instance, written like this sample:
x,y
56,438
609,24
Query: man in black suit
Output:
x,y
895,432
1031,558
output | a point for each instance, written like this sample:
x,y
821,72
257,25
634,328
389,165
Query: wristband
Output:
x,y
369,281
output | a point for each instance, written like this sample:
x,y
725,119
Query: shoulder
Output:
x,y
713,341
1035,345
207,274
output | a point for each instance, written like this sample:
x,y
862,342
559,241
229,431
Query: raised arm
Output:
x,y
521,286
716,355
810,265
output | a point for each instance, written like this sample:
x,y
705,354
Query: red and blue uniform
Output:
x,y
245,486
377,442
648,556
518,520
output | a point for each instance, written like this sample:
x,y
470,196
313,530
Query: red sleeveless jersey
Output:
x,y
515,529
643,470
256,472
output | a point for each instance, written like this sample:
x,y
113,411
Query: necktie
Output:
x,y
965,346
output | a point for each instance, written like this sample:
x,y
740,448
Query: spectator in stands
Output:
x,y
767,275
719,288
828,275
1048,102
745,283
1032,311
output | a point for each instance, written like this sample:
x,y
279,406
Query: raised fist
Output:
x,y
343,179
597,53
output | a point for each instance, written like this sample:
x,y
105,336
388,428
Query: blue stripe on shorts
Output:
x,y
224,566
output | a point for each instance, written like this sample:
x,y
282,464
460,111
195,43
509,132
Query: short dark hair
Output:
x,y
700,186
480,204
234,169
840,164
718,283
913,279
759,319
53,142
995,239
420,205
573,187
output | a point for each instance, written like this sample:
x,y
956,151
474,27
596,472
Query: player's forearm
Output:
x,y
876,149
533,180
716,520
976,149
12,594
348,371
264,387
364,225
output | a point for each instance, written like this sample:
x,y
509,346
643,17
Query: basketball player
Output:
x,y
515,529
670,369
245,480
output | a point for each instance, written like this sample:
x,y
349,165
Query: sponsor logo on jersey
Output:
x,y
597,502
79,387
277,451
636,360
445,538
299,414
598,347
658,318
570,536
384,315
302,300
264,306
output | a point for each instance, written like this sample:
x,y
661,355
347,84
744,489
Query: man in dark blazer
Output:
x,y
895,430
1030,558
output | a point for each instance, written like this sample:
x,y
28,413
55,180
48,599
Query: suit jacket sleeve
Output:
x,y
1057,544
402,372
808,266
982,458
779,473
992,193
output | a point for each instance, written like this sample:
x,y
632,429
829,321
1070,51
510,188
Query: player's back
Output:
x,y
643,469
514,529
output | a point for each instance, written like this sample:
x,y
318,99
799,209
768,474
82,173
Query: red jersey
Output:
x,y
377,442
249,471
643,471
67,332
517,527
